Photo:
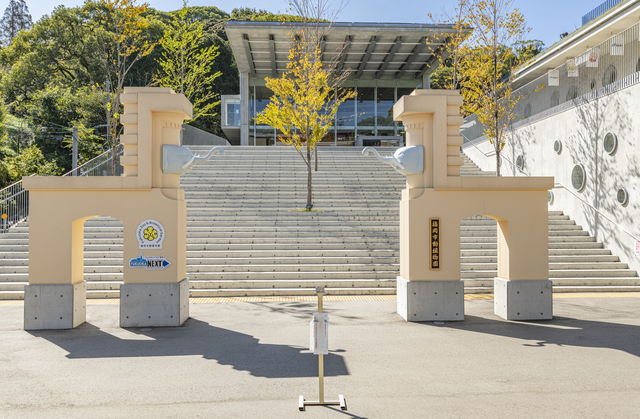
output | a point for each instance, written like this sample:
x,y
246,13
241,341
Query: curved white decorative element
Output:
x,y
177,160
406,160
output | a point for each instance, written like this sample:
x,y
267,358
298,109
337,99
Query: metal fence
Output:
x,y
578,80
14,199
599,10
100,165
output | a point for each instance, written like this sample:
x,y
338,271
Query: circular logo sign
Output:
x,y
150,234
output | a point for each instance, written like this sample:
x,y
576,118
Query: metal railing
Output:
x,y
584,78
599,10
14,199
14,205
558,185
100,165
607,68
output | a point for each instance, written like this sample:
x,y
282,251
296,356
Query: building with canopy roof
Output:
x,y
385,62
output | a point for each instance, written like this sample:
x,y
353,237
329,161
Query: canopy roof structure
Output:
x,y
374,51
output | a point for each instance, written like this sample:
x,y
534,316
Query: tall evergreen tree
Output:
x,y
16,18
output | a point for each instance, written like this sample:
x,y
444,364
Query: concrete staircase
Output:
x,y
246,238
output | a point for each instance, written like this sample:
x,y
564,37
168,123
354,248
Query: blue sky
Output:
x,y
547,18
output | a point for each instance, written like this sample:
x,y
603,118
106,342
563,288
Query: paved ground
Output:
x,y
249,360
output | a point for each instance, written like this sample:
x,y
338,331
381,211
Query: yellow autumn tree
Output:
x,y
124,42
304,103
486,69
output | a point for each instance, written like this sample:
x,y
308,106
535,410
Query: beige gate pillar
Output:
x,y
437,199
147,200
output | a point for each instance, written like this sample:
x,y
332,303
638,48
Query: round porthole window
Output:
x,y
622,196
610,143
557,146
550,197
520,162
578,177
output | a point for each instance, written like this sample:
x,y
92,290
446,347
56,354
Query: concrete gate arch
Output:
x,y
149,192
436,192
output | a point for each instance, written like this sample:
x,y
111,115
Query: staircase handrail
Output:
x,y
14,199
558,185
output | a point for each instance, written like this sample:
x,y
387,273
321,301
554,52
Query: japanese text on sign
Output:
x,y
435,243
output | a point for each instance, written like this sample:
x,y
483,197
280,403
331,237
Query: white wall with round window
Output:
x,y
578,177
622,197
610,143
557,146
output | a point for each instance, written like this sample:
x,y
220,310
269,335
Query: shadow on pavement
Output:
x,y
561,331
241,351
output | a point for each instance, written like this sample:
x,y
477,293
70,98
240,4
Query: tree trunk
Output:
x,y
309,196
315,153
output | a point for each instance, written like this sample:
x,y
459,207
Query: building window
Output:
x,y
610,75
384,109
610,143
623,197
578,177
520,162
593,84
366,110
232,112
557,146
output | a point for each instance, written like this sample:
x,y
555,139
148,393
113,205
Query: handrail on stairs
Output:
x,y
14,199
558,185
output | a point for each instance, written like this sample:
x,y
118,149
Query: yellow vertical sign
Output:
x,y
435,244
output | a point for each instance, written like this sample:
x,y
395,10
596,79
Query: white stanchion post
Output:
x,y
319,344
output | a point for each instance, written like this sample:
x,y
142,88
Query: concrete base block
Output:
x,y
523,300
421,301
154,305
58,306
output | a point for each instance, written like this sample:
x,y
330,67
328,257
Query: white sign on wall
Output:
x,y
554,78
593,57
572,68
617,45
150,234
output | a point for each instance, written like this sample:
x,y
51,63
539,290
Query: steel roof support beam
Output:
x,y
346,47
247,50
272,53
390,55
436,54
411,58
365,59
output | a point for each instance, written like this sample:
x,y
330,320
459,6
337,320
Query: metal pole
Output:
x,y
74,159
321,359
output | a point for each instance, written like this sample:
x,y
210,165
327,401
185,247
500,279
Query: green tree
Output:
x,y
186,64
56,110
16,18
31,161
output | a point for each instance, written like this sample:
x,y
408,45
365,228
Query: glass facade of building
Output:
x,y
369,114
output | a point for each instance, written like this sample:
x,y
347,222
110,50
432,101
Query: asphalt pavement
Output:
x,y
251,360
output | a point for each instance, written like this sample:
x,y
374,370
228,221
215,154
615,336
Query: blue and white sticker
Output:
x,y
150,263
